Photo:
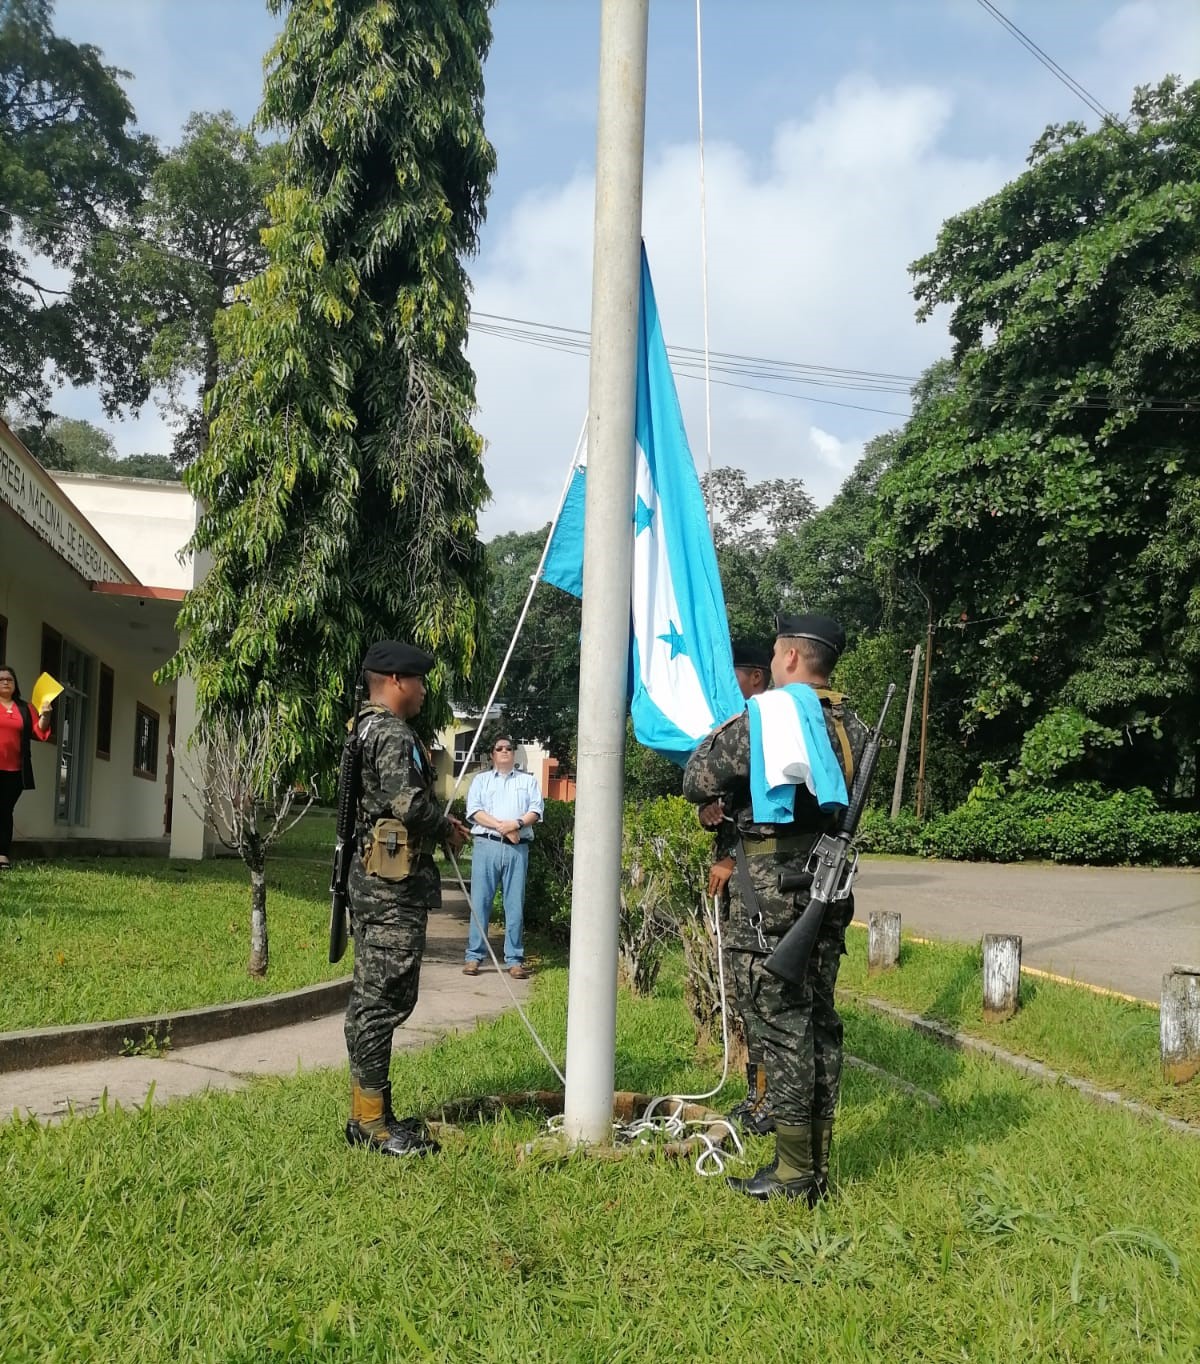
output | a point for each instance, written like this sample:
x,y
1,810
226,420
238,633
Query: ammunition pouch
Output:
x,y
389,852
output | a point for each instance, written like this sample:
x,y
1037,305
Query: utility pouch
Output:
x,y
388,855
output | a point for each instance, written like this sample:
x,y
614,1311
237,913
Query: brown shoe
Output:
x,y
470,968
520,971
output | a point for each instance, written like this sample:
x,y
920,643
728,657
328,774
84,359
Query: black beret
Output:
x,y
824,629
747,655
392,656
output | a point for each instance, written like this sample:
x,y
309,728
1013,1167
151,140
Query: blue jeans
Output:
x,y
505,865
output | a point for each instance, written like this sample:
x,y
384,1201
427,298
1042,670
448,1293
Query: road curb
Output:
x,y
34,1048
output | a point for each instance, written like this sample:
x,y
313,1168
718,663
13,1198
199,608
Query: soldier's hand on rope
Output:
x,y
711,815
718,876
458,835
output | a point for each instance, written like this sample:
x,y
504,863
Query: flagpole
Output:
x,y
607,570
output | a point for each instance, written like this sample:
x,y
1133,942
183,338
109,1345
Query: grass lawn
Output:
x,y
1093,1037
117,937
1015,1222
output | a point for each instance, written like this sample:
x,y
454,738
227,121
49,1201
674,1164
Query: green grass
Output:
x,y
1015,1222
1095,1037
116,937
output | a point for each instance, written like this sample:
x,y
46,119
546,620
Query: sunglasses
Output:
x,y
502,748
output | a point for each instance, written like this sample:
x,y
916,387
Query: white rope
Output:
x,y
534,580
704,256
673,1126
483,930
580,446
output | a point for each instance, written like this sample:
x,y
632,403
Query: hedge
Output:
x,y
1078,824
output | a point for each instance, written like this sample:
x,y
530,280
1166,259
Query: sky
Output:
x,y
837,139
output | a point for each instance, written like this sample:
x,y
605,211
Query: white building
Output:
x,y
90,585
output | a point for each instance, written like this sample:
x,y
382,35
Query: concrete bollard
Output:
x,y
1001,976
883,941
1179,1026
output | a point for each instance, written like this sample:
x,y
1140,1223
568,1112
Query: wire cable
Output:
x,y
1051,65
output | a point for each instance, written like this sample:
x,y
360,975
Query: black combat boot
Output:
x,y
822,1141
790,1175
373,1124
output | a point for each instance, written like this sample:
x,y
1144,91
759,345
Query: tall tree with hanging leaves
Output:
x,y
343,477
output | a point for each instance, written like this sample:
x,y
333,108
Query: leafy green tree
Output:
x,y
196,238
821,564
748,521
71,167
74,445
343,477
1046,494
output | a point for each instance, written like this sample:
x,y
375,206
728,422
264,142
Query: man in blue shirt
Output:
x,y
503,805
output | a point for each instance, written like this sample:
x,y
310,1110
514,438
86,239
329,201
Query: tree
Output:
x,y
821,564
343,477
71,167
1045,494
748,520
196,238
73,445
242,794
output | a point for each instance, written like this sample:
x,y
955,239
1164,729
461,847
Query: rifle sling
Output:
x,y
745,884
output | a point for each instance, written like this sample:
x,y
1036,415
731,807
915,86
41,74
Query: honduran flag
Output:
x,y
683,683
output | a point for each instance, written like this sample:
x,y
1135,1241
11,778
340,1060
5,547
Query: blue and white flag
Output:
x,y
790,747
683,682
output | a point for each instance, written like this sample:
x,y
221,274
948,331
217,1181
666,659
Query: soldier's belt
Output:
x,y
777,847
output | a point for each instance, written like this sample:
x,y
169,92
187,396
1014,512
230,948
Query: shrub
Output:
x,y
1082,823
551,863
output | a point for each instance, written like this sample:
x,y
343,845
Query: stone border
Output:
x,y
33,1048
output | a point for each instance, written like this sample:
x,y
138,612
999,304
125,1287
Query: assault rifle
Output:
x,y
349,791
829,875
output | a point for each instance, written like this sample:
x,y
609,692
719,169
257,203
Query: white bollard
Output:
x,y
1180,1024
1001,976
883,941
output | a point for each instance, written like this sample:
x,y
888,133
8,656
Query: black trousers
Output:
x,y
11,786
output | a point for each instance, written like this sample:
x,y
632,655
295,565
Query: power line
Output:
x,y
1050,64
686,362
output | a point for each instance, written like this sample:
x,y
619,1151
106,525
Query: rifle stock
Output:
x,y
349,784
830,870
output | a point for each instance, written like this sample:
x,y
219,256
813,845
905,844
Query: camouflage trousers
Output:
x,y
739,998
387,972
795,1029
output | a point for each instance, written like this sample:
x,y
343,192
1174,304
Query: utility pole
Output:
x,y
902,761
924,716
607,570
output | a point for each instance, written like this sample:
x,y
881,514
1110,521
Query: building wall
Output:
x,y
57,570
118,804
146,520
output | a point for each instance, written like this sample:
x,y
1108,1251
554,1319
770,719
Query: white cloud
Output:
x,y
808,257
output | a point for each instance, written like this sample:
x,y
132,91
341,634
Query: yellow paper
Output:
x,y
44,689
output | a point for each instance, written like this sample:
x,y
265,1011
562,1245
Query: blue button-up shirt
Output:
x,y
508,796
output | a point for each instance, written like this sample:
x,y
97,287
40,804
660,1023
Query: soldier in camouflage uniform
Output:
x,y
752,664
393,885
796,1026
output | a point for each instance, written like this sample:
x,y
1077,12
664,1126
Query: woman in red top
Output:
x,y
17,727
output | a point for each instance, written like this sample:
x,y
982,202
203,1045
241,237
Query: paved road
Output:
x,y
449,1003
1120,927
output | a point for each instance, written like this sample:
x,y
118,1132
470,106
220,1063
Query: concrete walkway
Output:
x,y
449,1003
1118,927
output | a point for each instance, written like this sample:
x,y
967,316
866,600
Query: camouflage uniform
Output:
x,y
795,1028
388,918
